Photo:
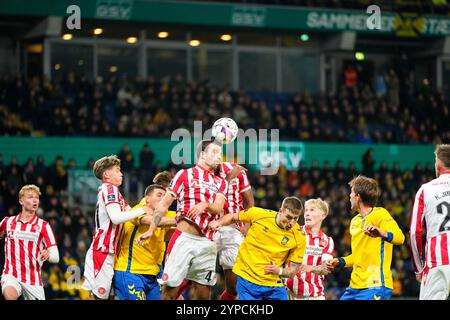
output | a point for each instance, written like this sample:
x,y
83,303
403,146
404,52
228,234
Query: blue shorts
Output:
x,y
376,293
250,291
129,286
161,272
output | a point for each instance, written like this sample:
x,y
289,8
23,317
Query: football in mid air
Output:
x,y
225,130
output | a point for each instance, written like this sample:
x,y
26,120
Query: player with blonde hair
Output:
x,y
29,242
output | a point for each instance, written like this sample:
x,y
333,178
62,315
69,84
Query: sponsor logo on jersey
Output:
x,y
204,185
313,251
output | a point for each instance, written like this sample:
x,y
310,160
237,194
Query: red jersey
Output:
x,y
318,249
107,235
193,186
24,241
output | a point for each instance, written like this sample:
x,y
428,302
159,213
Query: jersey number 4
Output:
x,y
208,276
440,209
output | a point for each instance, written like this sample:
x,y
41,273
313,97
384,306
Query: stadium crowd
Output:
x,y
388,112
73,227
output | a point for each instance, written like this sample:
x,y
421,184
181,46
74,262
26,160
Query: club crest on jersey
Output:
x,y
323,243
285,240
110,189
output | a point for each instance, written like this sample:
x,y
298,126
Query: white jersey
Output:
x,y
431,216
24,241
107,235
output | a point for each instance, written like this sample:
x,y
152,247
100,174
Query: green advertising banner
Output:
x,y
231,15
258,156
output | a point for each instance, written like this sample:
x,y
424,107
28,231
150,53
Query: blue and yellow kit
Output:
x,y
265,244
144,259
371,257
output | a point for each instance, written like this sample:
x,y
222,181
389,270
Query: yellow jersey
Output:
x,y
144,259
266,243
371,257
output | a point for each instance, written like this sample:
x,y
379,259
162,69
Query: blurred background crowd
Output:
x,y
387,112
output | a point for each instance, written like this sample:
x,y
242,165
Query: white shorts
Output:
x,y
436,284
29,292
228,240
189,257
98,273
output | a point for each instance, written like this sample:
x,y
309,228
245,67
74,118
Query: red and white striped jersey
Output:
x,y
431,216
24,241
235,188
318,248
107,235
193,186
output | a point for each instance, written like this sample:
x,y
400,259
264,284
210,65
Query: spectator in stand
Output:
x,y
127,158
368,163
146,157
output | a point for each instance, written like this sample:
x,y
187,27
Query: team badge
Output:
x,y
164,277
101,290
284,241
323,243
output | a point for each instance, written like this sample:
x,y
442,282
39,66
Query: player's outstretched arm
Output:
x,y
340,262
158,214
322,270
288,272
118,216
165,221
224,221
391,232
234,172
247,199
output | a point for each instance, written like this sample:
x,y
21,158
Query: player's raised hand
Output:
x,y
234,172
196,210
374,232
